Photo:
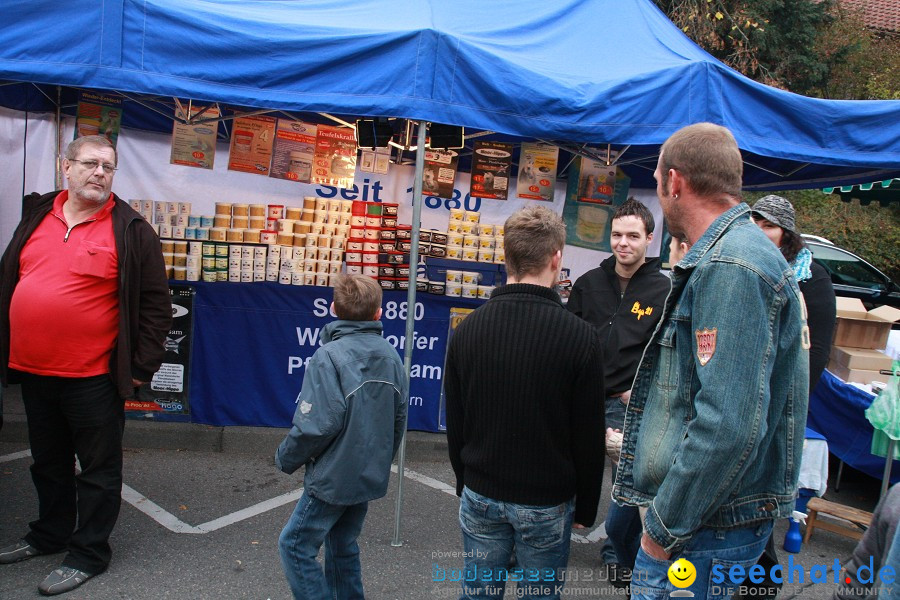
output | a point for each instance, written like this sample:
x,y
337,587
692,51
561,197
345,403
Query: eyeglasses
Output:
x,y
91,165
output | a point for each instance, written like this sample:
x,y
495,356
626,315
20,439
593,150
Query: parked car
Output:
x,y
852,276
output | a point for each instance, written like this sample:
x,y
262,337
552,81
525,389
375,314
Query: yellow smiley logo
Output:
x,y
682,573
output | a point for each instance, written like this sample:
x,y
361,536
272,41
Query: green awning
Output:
x,y
883,192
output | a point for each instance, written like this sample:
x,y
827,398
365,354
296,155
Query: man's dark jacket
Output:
x,y
625,323
145,310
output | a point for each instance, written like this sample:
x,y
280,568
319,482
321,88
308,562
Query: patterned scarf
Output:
x,y
801,264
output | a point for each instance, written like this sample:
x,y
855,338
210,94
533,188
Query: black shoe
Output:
x,y
62,580
19,551
619,576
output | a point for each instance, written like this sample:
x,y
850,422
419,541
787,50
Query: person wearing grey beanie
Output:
x,y
776,217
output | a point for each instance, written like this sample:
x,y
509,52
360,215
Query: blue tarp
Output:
x,y
594,71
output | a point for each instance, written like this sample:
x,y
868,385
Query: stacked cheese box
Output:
x,y
311,240
378,245
182,259
256,242
469,239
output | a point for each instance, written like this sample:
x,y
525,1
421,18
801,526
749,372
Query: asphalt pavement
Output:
x,y
203,508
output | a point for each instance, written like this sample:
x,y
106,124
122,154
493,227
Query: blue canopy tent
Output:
x,y
593,72
584,74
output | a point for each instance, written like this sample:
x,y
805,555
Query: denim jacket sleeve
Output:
x,y
318,418
730,395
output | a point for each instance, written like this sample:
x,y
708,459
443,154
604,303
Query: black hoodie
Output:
x,y
625,323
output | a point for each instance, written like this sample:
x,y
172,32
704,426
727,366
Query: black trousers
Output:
x,y
69,417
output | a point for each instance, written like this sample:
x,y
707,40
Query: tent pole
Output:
x,y
889,462
410,314
57,165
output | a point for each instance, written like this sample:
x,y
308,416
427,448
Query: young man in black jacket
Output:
x,y
524,385
623,298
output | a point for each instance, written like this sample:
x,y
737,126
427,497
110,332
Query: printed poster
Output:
x,y
491,163
335,156
194,145
594,192
99,114
295,150
538,163
439,173
168,393
252,139
382,161
374,161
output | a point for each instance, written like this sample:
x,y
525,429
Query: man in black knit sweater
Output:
x,y
525,424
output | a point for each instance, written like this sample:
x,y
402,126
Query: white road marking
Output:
x,y
426,480
176,525
156,512
15,456
251,511
598,534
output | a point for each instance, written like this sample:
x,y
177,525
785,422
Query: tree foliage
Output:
x,y
863,64
816,48
772,41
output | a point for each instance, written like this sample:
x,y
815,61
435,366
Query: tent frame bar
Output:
x,y
410,317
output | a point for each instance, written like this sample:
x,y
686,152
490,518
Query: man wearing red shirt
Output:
x,y
84,311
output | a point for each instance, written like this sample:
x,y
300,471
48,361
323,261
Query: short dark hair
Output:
x,y
96,140
708,157
791,244
356,297
531,236
634,208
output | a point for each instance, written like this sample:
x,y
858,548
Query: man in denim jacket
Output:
x,y
714,429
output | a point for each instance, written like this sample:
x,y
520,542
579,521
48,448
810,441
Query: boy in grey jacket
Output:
x,y
346,430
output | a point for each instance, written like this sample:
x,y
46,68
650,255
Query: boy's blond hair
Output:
x,y
356,297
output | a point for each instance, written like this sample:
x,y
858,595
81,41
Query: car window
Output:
x,y
847,269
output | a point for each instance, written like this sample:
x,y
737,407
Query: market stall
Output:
x,y
534,72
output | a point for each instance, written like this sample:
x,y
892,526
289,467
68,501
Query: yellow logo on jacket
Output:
x,y
641,312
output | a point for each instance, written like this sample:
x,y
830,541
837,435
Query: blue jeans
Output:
x,y
706,549
624,529
492,529
313,522
623,523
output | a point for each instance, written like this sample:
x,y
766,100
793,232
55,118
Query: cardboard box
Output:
x,y
860,358
858,328
856,375
851,308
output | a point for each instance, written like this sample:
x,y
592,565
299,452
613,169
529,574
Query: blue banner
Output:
x,y
252,343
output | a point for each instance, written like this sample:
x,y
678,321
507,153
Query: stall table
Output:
x,y
837,411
